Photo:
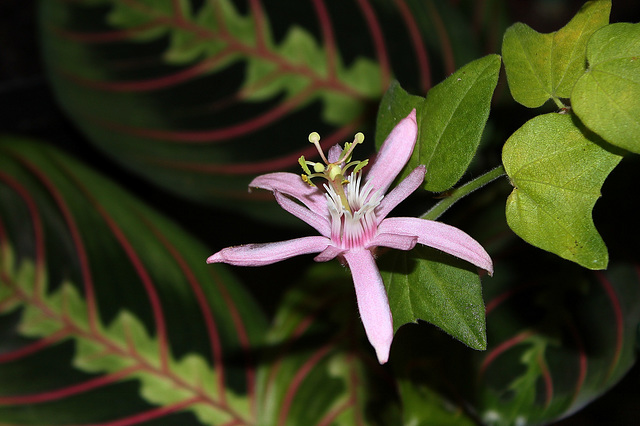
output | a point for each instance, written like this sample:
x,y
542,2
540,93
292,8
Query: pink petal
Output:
x,y
334,153
399,242
329,253
372,301
320,223
400,192
394,153
439,235
265,254
292,184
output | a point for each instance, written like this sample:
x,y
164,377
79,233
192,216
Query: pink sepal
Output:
x,y
372,301
265,254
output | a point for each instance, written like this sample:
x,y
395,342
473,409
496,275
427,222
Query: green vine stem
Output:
x,y
457,194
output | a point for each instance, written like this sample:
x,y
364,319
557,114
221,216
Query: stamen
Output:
x,y
349,147
333,172
314,138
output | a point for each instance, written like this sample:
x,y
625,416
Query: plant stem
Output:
x,y
461,192
558,103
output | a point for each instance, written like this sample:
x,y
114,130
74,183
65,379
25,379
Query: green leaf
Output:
x,y
425,407
429,285
395,105
102,299
557,171
540,66
452,121
561,336
607,96
200,97
320,366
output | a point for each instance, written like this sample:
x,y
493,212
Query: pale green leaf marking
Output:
x,y
557,173
123,345
607,96
298,66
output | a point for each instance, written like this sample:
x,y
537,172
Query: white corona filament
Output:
x,y
351,229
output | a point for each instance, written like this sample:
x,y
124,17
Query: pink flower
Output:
x,y
351,217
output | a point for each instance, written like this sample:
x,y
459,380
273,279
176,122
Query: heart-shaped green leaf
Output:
x,y
544,66
557,171
607,96
431,286
102,299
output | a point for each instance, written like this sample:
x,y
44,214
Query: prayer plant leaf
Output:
x,y
607,96
557,170
199,97
102,299
423,406
426,284
561,337
540,66
320,368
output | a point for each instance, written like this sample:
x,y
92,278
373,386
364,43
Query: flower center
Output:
x,y
333,171
353,226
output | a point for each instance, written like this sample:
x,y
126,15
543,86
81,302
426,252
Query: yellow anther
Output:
x,y
318,168
306,180
358,138
314,137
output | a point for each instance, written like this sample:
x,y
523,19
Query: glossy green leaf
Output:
x,y
395,105
452,121
557,171
540,66
320,368
431,286
607,96
102,299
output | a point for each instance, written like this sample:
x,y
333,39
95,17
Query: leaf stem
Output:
x,y
558,103
457,194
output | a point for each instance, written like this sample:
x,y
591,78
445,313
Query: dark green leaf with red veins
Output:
x,y
200,97
559,339
102,299
319,368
